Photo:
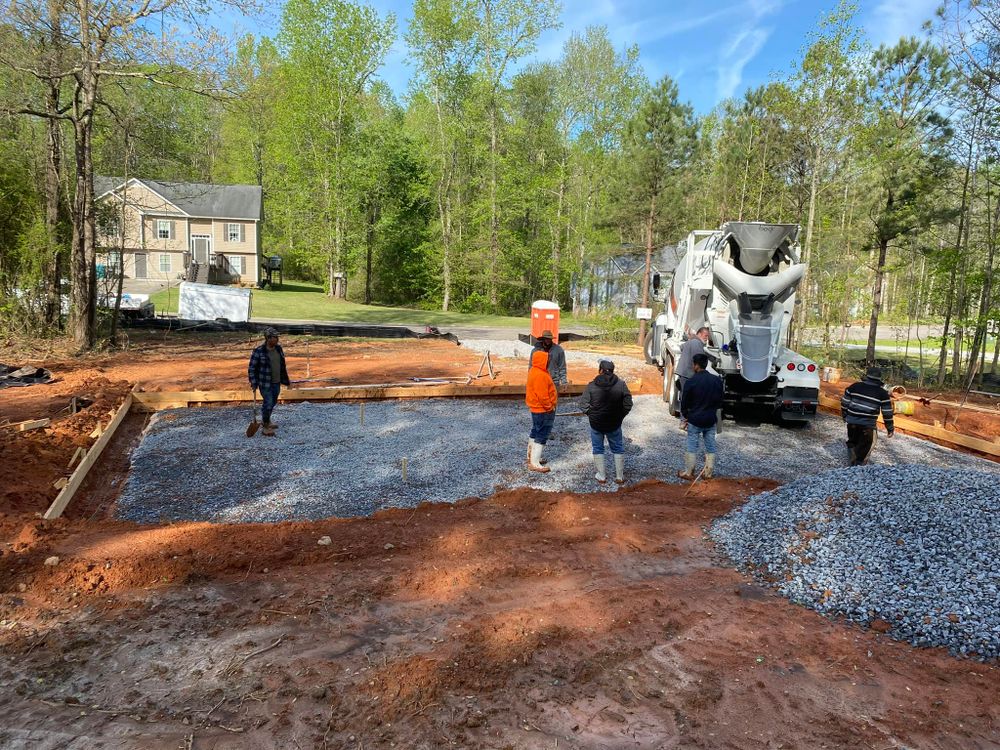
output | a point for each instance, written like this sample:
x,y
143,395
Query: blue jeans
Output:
x,y
269,393
541,426
615,440
694,432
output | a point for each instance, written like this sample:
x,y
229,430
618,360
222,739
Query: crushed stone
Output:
x,y
198,464
909,549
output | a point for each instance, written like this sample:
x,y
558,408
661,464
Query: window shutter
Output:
x,y
243,237
172,223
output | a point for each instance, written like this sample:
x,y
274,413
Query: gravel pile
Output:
x,y
198,464
624,365
913,549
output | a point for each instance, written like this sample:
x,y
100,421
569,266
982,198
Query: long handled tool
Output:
x,y
254,425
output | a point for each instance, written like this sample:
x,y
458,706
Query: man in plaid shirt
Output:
x,y
267,372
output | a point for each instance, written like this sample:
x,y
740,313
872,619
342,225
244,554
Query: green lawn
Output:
x,y
301,300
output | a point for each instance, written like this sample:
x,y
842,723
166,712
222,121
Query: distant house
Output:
x,y
180,230
615,281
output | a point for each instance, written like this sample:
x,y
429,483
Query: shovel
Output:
x,y
254,425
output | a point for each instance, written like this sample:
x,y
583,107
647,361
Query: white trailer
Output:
x,y
211,302
740,281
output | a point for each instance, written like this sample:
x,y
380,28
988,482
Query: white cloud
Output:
x,y
891,19
743,48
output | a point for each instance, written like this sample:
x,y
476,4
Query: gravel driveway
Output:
x,y
198,464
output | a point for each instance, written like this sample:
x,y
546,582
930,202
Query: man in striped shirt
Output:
x,y
860,407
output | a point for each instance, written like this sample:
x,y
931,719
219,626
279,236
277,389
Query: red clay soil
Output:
x,y
529,620
980,424
31,461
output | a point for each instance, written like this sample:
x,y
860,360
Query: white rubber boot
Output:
x,y
535,464
709,465
527,458
689,461
620,468
599,465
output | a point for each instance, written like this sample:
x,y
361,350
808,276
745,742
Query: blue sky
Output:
x,y
712,49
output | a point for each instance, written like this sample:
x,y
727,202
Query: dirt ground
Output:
x,y
527,620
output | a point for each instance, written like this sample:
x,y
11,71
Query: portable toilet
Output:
x,y
545,317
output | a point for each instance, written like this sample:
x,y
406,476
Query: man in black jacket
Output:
x,y
606,401
701,399
860,407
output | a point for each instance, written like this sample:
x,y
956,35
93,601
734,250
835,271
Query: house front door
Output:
x,y
201,248
140,266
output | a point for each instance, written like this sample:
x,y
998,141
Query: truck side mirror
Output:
x,y
656,283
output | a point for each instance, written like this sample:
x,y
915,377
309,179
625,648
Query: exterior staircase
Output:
x,y
199,273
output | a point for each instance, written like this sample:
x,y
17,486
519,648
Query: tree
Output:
x,y
659,143
442,36
334,47
76,48
823,105
906,138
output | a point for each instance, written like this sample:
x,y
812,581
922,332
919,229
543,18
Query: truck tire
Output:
x,y
670,387
647,347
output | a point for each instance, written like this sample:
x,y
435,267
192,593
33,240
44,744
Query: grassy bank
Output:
x,y
301,300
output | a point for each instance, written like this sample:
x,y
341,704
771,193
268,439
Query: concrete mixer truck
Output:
x,y
740,282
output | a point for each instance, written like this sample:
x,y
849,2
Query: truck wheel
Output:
x,y
647,347
670,387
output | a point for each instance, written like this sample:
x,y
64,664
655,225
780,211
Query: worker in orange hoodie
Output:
x,y
541,398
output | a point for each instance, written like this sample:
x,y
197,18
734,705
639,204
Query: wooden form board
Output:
x,y
76,479
927,430
155,401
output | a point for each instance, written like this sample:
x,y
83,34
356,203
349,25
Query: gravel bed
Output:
x,y
911,548
198,464
624,365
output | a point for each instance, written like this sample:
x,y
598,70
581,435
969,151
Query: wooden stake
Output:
x,y
79,452
362,412
404,469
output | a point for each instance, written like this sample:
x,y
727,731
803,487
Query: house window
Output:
x,y
165,262
236,264
234,233
163,229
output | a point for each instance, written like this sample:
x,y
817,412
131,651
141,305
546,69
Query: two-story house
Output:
x,y
180,230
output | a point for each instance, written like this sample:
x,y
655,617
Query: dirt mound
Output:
x,y
523,620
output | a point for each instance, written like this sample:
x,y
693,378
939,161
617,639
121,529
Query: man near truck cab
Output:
x,y
557,357
685,363
860,407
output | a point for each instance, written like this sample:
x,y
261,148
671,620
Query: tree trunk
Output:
x,y
802,299
494,248
53,282
373,216
943,361
979,342
557,232
883,247
84,255
649,261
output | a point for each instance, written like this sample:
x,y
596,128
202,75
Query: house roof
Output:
x,y
198,199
